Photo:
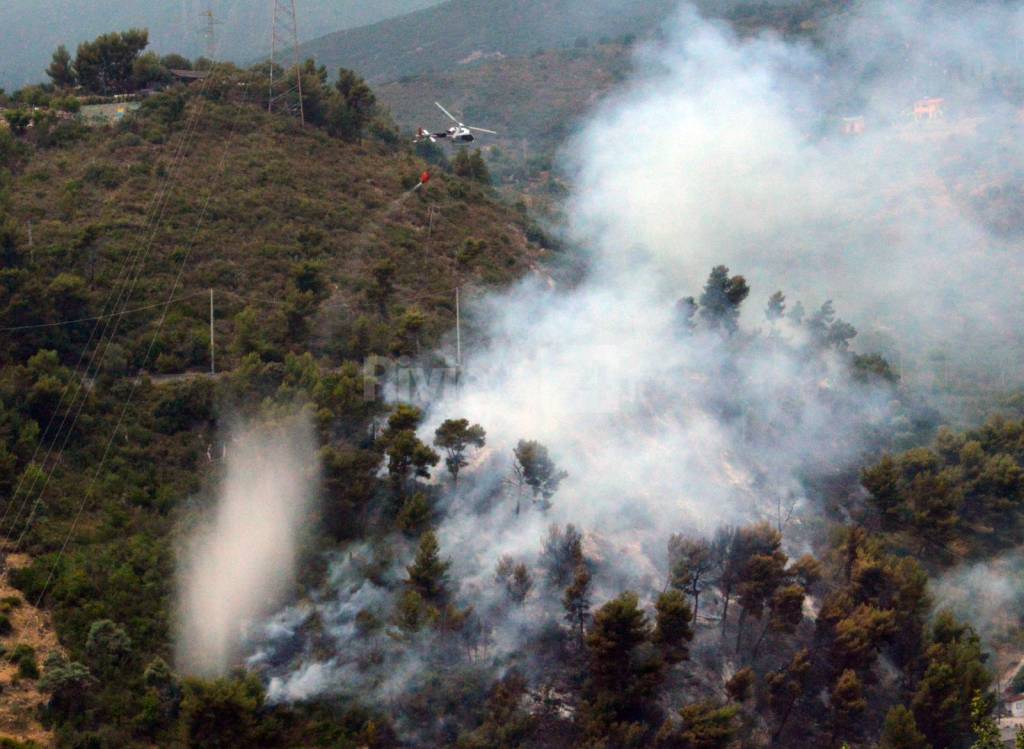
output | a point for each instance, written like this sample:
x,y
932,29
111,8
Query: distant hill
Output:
x,y
460,32
532,102
32,29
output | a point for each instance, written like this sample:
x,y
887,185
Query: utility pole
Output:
x,y
285,32
213,350
458,330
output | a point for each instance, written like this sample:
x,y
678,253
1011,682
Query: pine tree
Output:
x,y
576,602
848,703
672,631
455,436
408,457
704,725
690,561
515,578
955,673
62,70
785,687
428,573
534,468
415,514
776,308
986,730
561,555
721,300
900,731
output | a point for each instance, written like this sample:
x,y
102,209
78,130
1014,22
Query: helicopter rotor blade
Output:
x,y
480,129
450,115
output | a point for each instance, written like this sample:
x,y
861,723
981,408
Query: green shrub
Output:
x,y
24,656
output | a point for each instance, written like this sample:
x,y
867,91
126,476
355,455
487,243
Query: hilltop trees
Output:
x,y
62,70
721,300
106,65
350,112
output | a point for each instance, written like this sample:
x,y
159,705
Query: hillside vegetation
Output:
x,y
275,201
320,253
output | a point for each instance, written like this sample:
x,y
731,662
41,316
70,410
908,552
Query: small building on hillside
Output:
x,y
929,109
188,76
853,125
1015,705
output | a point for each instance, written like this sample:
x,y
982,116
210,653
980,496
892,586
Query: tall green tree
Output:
x,y
106,64
672,630
576,602
62,70
955,673
350,113
690,562
703,725
428,574
624,670
408,457
847,704
900,731
720,303
455,437
533,467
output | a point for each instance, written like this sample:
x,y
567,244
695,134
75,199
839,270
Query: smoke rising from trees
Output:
x,y
719,152
240,561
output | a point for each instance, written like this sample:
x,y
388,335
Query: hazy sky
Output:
x,y
31,29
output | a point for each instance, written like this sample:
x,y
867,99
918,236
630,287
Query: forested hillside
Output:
x,y
321,247
310,437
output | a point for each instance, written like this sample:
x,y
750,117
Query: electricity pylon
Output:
x,y
286,32
210,35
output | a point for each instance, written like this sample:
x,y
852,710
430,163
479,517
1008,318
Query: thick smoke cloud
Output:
x,y
240,562
728,151
720,151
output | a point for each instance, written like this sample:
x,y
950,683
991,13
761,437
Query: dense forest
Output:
x,y
203,261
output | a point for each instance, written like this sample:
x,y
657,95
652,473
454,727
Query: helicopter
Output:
x,y
461,133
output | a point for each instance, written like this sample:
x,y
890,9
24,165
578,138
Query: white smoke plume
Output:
x,y
240,562
729,151
720,151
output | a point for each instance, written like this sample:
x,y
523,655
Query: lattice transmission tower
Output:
x,y
285,34
209,32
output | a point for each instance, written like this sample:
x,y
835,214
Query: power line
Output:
x,y
131,393
122,289
243,297
128,277
98,317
